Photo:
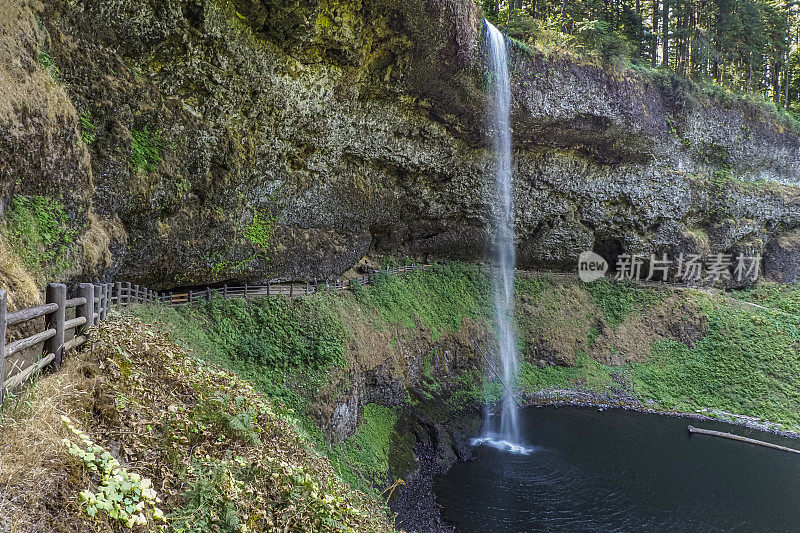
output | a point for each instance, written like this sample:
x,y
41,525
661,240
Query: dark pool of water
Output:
x,y
624,471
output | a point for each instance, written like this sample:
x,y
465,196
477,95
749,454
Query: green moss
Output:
x,y
617,300
146,149
747,363
40,233
367,450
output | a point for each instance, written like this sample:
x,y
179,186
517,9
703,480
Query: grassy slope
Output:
x,y
220,455
744,360
164,408
292,349
748,361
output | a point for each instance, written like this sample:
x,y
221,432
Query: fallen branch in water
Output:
x,y
731,436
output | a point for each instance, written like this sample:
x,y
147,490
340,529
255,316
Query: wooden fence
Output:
x,y
66,319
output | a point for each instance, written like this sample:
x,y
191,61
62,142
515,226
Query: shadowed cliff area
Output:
x,y
188,142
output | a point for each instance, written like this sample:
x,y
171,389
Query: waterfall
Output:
x,y
503,251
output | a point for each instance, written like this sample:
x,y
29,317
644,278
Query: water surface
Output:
x,y
624,471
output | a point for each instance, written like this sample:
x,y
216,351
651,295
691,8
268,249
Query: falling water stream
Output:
x,y
503,248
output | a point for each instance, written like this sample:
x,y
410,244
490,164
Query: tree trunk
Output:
x,y
654,37
665,34
776,85
787,74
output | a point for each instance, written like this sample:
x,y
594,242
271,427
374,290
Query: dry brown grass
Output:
x,y
96,240
158,412
23,290
35,473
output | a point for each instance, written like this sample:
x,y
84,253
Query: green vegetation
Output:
x,y
146,149
40,233
587,373
619,299
784,298
259,230
366,451
88,128
48,63
273,342
289,349
747,364
437,300
726,49
124,496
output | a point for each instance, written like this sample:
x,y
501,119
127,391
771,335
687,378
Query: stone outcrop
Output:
x,y
245,139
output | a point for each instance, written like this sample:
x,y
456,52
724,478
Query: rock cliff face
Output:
x,y
244,139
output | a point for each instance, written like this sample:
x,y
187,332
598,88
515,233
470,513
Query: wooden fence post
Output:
x,y
56,294
307,289
104,299
98,294
127,288
291,289
170,297
118,291
268,291
208,293
2,344
85,290
136,294
225,291
245,290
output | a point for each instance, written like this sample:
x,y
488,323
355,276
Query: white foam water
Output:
x,y
503,445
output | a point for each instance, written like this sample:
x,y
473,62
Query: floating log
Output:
x,y
740,438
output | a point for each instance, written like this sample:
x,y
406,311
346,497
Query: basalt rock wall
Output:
x,y
248,139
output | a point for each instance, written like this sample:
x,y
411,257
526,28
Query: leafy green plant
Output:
x,y
124,496
211,497
88,128
146,149
39,231
48,63
259,231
